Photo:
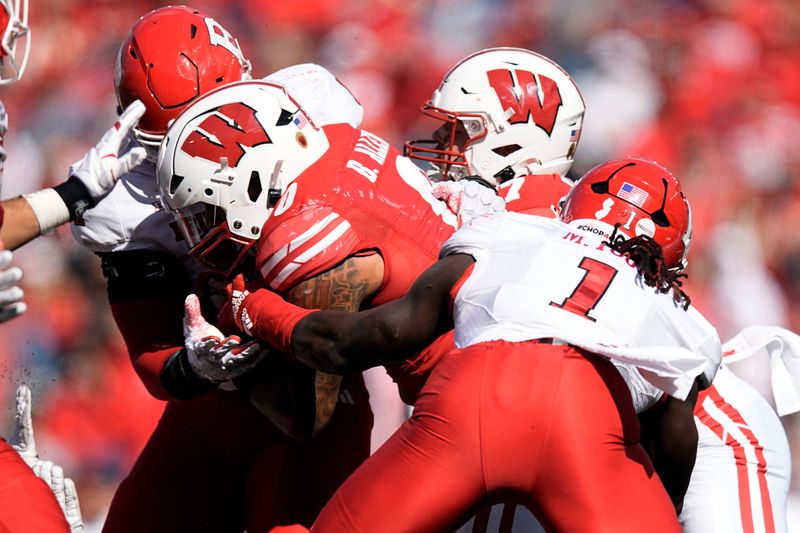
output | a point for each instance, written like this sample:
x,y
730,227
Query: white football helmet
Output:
x,y
225,162
13,53
507,112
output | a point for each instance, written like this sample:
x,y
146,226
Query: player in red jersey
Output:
x,y
350,217
149,273
518,412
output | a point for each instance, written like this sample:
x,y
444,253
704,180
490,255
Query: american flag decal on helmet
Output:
x,y
632,194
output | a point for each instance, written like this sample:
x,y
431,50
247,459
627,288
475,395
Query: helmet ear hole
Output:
x,y
254,188
508,149
175,182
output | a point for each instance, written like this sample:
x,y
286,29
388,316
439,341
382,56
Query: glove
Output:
x,y
11,303
211,355
52,474
469,198
103,164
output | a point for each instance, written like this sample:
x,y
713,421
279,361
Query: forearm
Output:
x,y
152,335
674,461
673,445
21,224
34,214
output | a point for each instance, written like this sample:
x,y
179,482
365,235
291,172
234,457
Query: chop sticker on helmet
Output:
x,y
645,226
527,94
603,212
632,194
227,131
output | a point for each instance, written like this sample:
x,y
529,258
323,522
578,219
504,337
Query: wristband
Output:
x,y
266,316
180,381
49,209
76,196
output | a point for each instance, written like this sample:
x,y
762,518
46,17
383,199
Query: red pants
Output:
x,y
544,426
216,464
26,503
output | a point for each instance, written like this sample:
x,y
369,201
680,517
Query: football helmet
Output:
x,y
225,162
639,197
16,39
507,112
173,55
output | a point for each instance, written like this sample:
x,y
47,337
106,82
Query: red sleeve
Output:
x,y
152,329
304,245
1,215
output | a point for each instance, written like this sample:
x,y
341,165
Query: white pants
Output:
x,y
741,477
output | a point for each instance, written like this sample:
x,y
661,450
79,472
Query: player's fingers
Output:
x,y
130,115
72,505
10,276
11,296
24,441
5,258
130,159
57,485
46,472
10,311
193,315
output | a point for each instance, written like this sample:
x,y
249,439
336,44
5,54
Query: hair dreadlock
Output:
x,y
648,257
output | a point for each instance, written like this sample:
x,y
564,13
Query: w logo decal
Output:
x,y
519,91
227,131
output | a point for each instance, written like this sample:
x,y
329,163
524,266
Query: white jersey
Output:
x,y
536,277
132,216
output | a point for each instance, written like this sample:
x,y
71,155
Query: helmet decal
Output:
x,y
228,131
603,212
526,94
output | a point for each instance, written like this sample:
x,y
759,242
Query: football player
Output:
x,y
464,102
207,462
511,117
528,406
352,221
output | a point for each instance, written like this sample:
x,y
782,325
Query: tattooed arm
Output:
x,y
292,394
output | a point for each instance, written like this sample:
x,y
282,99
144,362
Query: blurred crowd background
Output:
x,y
710,88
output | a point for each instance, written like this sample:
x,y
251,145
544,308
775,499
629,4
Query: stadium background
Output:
x,y
711,88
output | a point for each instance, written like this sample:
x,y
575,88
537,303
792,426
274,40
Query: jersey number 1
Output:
x,y
591,288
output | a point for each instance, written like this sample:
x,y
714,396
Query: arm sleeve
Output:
x,y
146,290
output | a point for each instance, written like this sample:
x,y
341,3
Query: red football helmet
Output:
x,y
173,55
14,28
638,196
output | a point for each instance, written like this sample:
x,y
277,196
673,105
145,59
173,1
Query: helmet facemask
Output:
x,y
16,40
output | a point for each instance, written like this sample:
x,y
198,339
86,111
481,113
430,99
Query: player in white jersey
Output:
x,y
742,468
741,479
528,407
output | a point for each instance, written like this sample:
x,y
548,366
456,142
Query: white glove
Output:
x,y
52,474
468,199
103,164
11,303
211,355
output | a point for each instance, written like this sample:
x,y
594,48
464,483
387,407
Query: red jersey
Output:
x,y
361,196
535,195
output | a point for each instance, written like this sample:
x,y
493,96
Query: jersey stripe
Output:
x,y
729,426
281,254
326,241
761,462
